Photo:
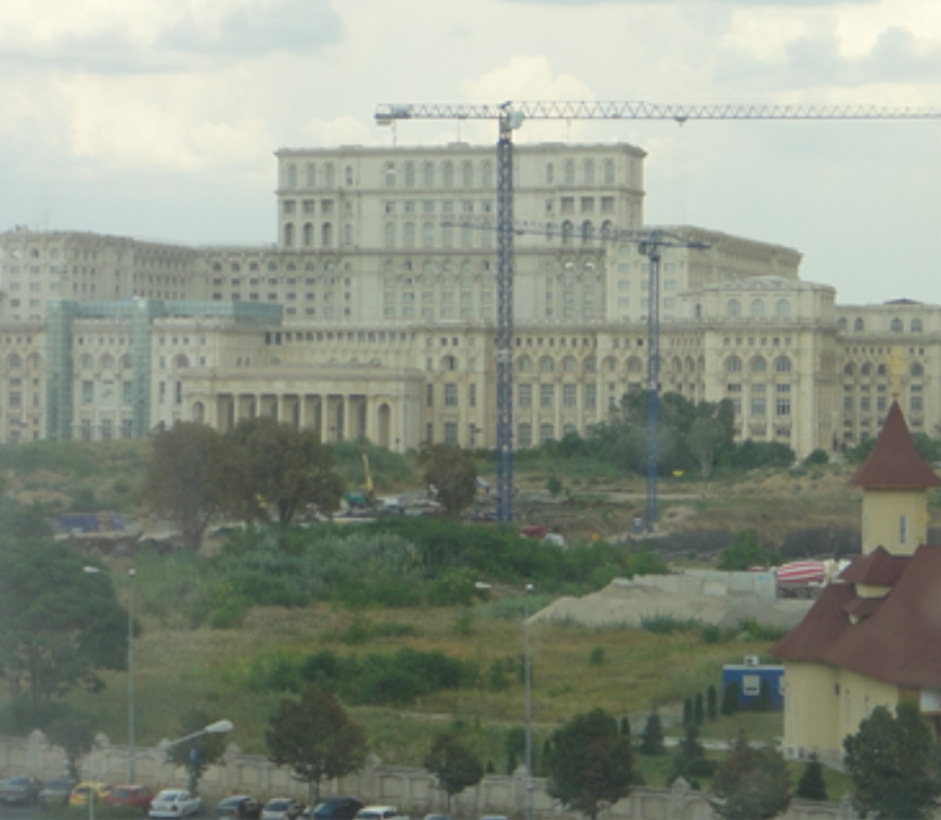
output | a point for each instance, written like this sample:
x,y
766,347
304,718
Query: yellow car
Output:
x,y
79,795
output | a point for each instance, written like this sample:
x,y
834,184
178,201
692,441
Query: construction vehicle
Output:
x,y
365,497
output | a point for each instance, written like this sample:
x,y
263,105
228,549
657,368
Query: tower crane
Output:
x,y
510,116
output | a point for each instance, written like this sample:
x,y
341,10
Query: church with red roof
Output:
x,y
873,637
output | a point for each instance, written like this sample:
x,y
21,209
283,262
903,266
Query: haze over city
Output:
x,y
159,118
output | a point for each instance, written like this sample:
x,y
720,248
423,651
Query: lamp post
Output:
x,y
528,676
131,575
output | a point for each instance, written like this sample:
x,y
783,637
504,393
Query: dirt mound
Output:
x,y
632,604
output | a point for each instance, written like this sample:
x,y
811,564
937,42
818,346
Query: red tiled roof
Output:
x,y
878,569
862,607
899,643
894,463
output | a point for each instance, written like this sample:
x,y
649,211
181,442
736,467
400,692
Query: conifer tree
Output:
x,y
651,739
811,785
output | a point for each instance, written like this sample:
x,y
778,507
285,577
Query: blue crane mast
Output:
x,y
510,116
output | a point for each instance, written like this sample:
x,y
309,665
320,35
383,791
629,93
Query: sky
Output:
x,y
159,119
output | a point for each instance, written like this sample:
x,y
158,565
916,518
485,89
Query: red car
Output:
x,y
139,796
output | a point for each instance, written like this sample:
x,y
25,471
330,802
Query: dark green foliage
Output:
x,y
763,704
698,710
454,765
751,454
730,699
590,765
497,677
199,753
895,764
596,657
58,624
710,633
453,474
711,704
317,739
689,759
817,457
625,726
742,552
84,500
751,783
687,711
553,485
667,624
651,738
811,785
73,733
514,745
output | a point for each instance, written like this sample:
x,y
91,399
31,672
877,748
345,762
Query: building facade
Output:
x,y
373,314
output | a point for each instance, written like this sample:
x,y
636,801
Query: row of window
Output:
x,y
758,364
896,325
867,369
273,267
757,310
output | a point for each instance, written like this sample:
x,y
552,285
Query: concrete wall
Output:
x,y
761,585
411,790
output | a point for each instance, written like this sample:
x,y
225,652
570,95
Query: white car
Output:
x,y
277,808
379,813
174,803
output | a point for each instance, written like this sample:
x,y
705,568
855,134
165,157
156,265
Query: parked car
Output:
x,y
20,790
139,796
281,808
338,807
437,817
378,813
240,806
79,795
174,803
55,793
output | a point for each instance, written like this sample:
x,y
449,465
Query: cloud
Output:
x,y
164,38
896,57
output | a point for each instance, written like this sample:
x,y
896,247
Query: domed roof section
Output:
x,y
894,463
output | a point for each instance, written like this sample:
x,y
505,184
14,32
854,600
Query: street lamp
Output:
x,y
528,675
131,575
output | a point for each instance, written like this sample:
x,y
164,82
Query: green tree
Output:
x,y
742,552
687,711
286,468
453,474
711,706
201,752
712,433
454,765
192,478
698,711
651,738
730,699
553,485
689,759
895,764
751,783
811,785
317,739
73,734
591,764
58,625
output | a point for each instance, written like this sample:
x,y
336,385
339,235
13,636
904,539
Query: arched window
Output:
x,y
895,325
569,365
550,173
546,364
859,325
310,175
917,370
390,235
486,174
916,326
292,176
733,364
428,235
347,235
447,174
588,172
328,175
107,362
308,234
348,175
842,323
866,369
449,363
326,235
525,365
782,309
880,370
467,233
125,361
588,231
289,234
569,172
390,175
181,362
609,172
591,364
15,361
568,230
409,174
634,365
607,229
758,309
610,364
848,369
782,364
88,363
428,171
408,234
758,365
733,308
447,235
467,175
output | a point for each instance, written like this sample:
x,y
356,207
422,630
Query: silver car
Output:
x,y
174,803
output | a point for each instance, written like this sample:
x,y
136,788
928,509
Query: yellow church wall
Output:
x,y
823,704
894,519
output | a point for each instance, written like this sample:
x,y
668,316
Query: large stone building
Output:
x,y
373,314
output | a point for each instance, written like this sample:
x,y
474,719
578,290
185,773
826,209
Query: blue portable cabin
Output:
x,y
749,677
